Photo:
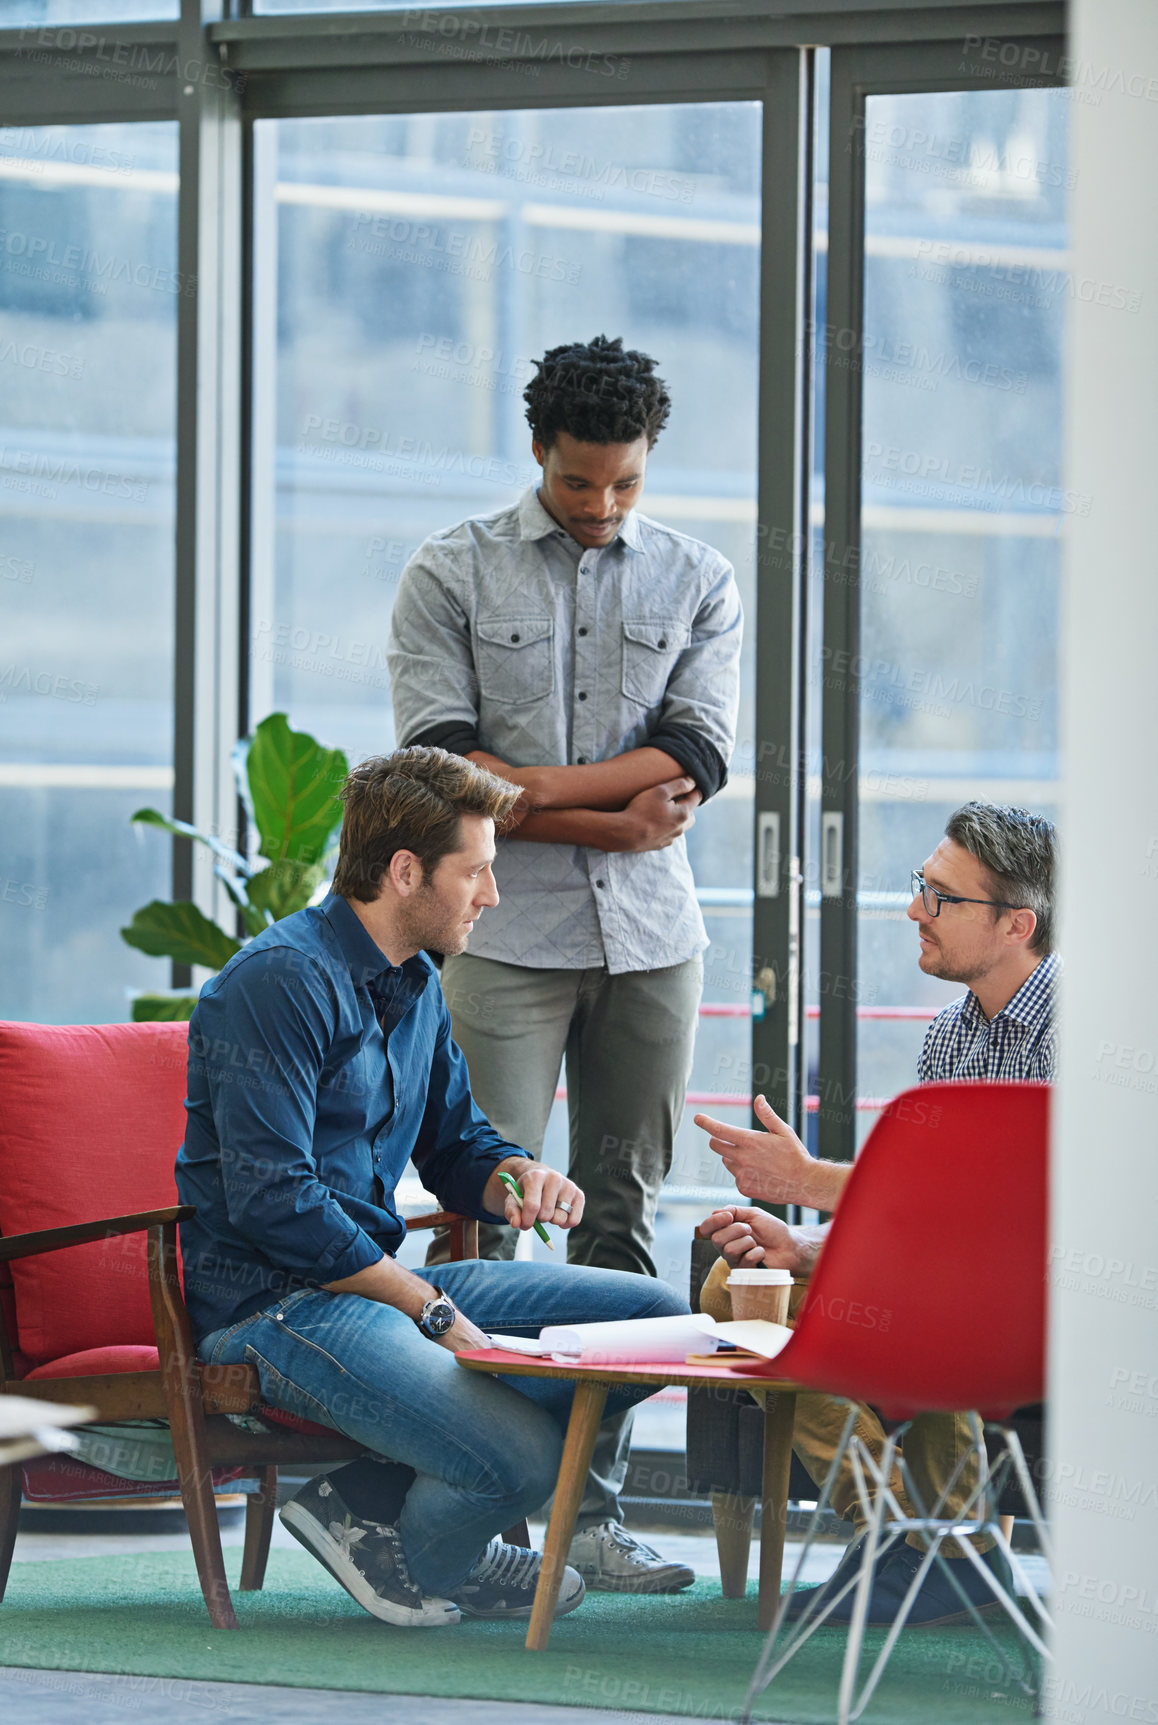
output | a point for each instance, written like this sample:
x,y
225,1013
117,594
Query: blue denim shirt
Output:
x,y
316,1071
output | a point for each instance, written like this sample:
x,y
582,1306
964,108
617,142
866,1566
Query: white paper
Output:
x,y
620,1342
755,1334
629,1340
518,1345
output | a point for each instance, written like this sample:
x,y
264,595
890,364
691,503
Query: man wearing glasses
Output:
x,y
983,906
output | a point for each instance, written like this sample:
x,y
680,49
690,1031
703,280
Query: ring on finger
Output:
x,y
564,1206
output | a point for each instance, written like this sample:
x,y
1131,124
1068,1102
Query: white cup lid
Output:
x,y
760,1278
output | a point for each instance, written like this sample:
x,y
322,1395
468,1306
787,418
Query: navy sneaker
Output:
x,y
365,1556
846,1570
937,1602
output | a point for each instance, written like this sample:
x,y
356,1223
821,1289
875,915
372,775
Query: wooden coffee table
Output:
x,y
591,1386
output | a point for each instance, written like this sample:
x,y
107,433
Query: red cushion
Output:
x,y
91,1118
293,1422
63,1479
97,1361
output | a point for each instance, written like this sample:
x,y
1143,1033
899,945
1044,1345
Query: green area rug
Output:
x,y
689,1653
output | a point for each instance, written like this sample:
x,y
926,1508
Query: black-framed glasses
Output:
x,y
933,900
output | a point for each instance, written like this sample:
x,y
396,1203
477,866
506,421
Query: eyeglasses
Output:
x,y
933,900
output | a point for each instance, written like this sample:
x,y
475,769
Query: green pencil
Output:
x,y
509,1180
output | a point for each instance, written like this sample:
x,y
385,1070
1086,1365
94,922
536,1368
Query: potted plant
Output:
x,y
289,784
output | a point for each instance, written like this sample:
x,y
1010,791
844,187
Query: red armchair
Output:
x,y
91,1311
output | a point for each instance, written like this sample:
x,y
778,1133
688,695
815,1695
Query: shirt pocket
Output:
x,y
650,650
514,659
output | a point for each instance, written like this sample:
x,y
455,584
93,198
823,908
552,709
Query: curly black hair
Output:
x,y
597,392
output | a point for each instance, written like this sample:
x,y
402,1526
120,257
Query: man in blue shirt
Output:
x,y
983,907
320,1062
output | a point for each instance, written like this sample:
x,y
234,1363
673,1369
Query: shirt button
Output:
x,y
581,760
662,643
600,883
515,638
582,694
582,631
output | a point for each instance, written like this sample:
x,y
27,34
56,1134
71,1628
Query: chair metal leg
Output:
x,y
732,1517
259,1511
11,1491
852,1651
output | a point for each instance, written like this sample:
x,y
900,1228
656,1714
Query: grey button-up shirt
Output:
x,y
509,636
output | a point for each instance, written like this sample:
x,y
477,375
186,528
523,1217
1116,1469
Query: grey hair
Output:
x,y
1018,852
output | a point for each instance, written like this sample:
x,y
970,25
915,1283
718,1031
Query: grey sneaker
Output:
x,y
611,1560
365,1556
503,1581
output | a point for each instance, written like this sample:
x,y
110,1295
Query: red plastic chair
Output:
x,y
929,1296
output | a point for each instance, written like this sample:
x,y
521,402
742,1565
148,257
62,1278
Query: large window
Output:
x,y
88,295
966,289
412,268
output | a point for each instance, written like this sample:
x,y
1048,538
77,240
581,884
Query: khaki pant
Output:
x,y
933,1444
627,1042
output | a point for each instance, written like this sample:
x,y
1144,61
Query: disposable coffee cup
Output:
x,y
760,1294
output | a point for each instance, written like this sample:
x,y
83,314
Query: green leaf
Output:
x,y
255,920
153,818
179,932
293,791
284,887
163,1008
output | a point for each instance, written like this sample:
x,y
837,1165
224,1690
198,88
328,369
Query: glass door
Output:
x,y
407,269
940,332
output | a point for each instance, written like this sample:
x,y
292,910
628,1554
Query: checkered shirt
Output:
x,y
1019,1042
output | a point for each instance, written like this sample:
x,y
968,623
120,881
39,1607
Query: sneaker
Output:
x,y
611,1560
365,1556
503,1581
937,1603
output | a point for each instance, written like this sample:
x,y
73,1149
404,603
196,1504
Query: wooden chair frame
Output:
x,y
195,1398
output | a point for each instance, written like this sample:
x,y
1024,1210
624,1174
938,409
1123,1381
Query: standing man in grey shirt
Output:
x,y
590,655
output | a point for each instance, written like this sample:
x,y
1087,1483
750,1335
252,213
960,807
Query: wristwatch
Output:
x,y
437,1316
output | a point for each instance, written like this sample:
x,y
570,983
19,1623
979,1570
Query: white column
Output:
x,y
1104,1281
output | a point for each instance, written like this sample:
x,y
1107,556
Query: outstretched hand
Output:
x,y
772,1164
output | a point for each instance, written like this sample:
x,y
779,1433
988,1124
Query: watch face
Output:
x,y
438,1317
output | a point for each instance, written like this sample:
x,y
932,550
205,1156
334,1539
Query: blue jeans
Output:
x,y
485,1449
